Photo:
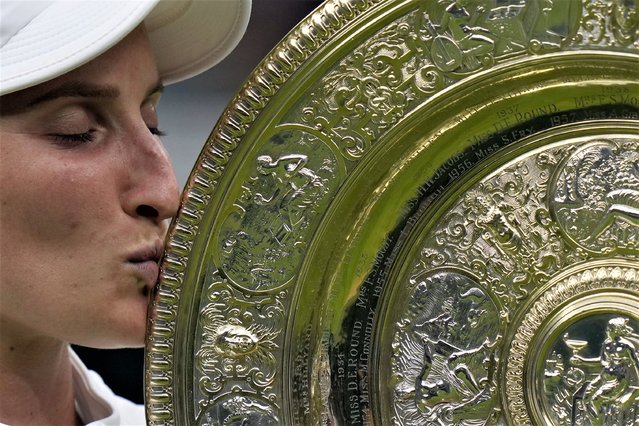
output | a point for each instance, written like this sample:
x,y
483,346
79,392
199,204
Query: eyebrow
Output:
x,y
76,90
84,90
69,89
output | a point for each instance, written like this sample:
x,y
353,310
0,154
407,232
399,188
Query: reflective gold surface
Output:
x,y
415,212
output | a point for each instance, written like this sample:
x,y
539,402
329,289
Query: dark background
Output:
x,y
188,112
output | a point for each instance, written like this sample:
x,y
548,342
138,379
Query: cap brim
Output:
x,y
187,36
190,37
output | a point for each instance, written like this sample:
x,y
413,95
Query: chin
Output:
x,y
132,337
115,324
119,341
124,332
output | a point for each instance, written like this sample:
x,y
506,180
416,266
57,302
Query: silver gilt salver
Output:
x,y
415,212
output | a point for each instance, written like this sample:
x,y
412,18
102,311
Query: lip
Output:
x,y
145,261
149,272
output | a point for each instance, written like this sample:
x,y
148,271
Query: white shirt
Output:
x,y
96,404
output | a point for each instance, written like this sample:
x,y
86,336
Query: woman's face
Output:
x,y
86,190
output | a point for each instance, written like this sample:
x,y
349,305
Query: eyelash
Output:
x,y
79,138
74,138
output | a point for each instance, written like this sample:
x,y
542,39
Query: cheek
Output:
x,y
52,203
53,217
46,207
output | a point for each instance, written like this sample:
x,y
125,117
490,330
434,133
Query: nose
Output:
x,y
152,191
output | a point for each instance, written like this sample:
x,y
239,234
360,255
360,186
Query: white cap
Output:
x,y
41,40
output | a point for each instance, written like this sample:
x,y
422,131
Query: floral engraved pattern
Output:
x,y
236,342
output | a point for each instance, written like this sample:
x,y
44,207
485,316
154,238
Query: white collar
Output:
x,y
89,405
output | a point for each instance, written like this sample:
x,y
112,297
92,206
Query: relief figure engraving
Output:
x,y
291,188
445,353
489,253
590,381
262,239
463,46
238,410
596,199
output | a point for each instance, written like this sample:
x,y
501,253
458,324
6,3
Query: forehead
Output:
x,y
127,67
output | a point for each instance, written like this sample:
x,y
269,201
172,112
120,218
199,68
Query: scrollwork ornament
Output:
x,y
609,23
506,220
239,336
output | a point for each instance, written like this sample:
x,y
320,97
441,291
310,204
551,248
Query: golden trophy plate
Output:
x,y
415,212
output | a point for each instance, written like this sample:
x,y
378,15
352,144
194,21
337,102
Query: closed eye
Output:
x,y
73,138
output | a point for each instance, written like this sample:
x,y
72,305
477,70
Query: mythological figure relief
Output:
x,y
239,410
290,186
592,373
458,42
445,354
596,202
259,252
